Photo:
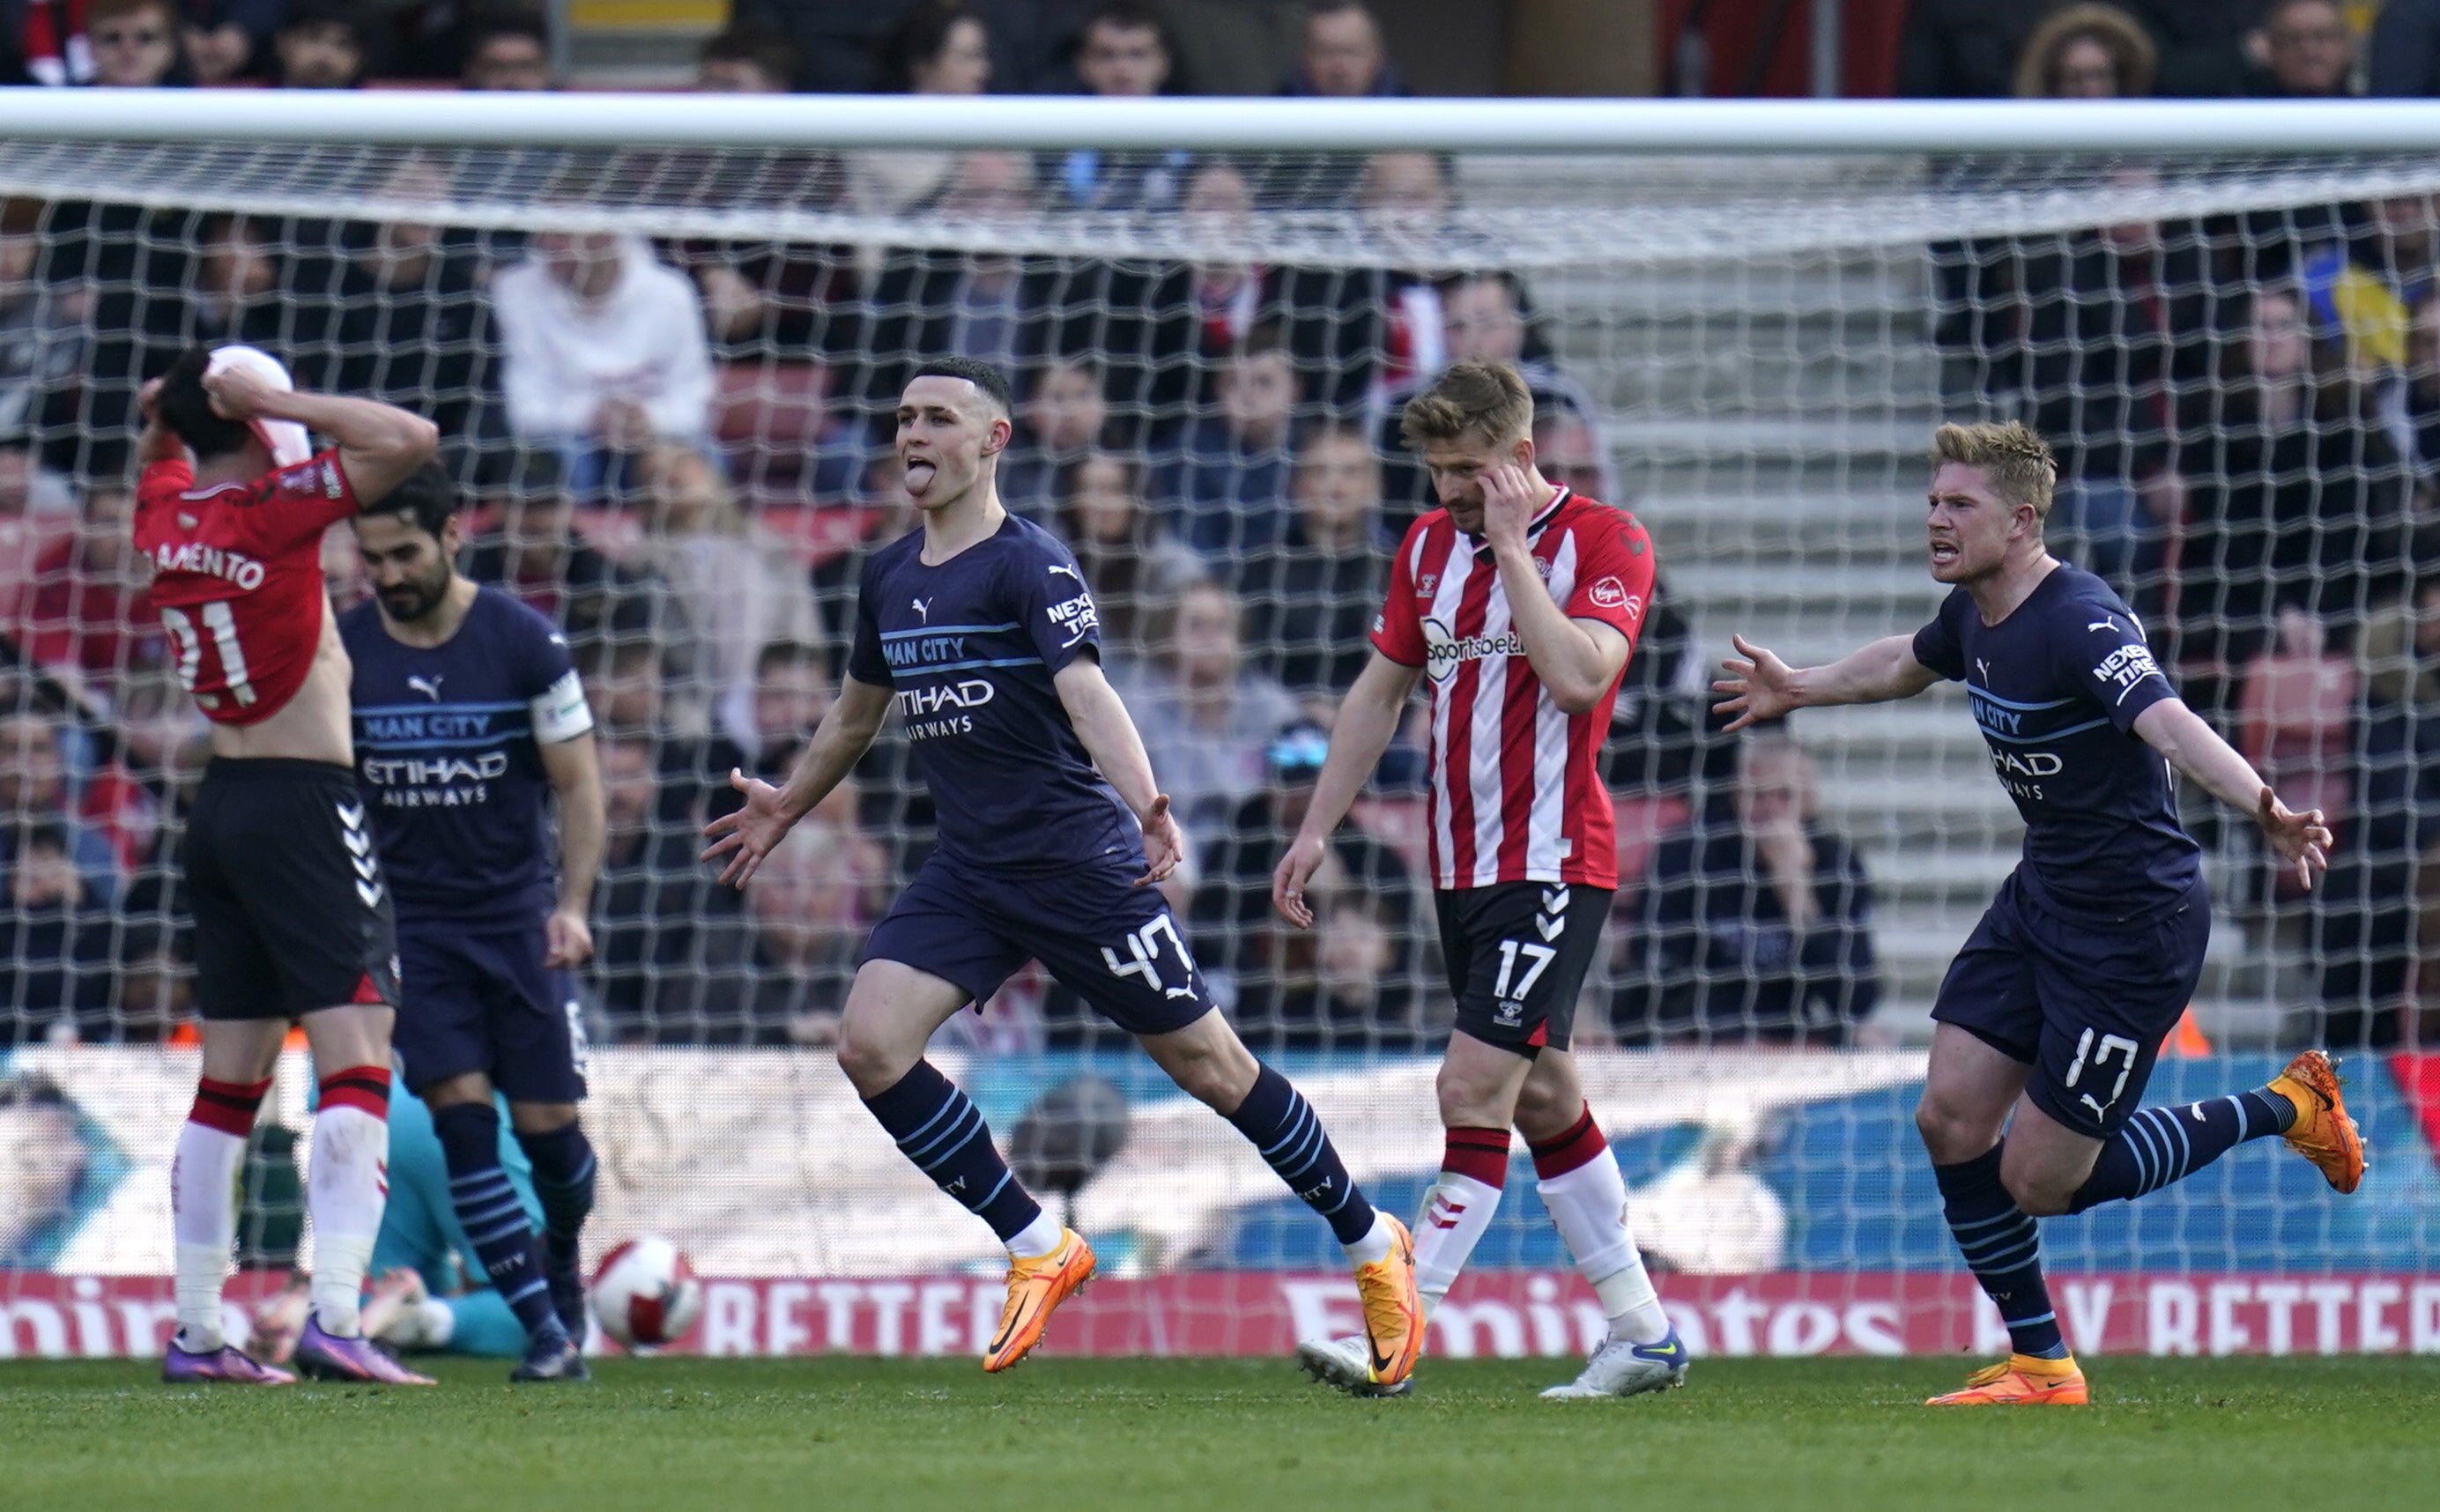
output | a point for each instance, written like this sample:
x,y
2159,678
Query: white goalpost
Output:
x,y
1742,321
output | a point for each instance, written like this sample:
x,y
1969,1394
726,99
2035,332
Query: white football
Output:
x,y
646,1294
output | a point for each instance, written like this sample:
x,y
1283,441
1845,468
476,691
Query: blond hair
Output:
x,y
1470,398
2013,462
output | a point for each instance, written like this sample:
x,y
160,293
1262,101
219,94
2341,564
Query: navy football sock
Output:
x,y
2164,1144
940,1130
2004,1248
492,1216
563,1177
1286,1128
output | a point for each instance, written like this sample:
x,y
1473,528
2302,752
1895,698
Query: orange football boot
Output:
x,y
1393,1311
2323,1132
1034,1288
2021,1380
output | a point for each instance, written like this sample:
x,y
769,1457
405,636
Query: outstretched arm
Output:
x,y
845,734
1109,735
1759,687
379,444
1368,718
2302,840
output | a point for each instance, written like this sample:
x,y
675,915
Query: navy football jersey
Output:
x,y
2056,688
447,761
970,647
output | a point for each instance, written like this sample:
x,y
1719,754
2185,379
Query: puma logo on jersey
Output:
x,y
429,686
923,609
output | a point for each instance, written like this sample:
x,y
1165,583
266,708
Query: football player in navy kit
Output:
x,y
978,630
470,722
2051,1016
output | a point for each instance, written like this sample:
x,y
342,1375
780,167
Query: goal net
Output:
x,y
666,378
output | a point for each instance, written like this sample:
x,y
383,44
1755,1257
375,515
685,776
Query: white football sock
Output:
x,y
343,1195
1038,1238
1456,1210
1375,1246
203,1204
1588,1204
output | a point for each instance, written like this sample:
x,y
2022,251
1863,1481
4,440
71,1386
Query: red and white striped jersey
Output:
x,y
1516,786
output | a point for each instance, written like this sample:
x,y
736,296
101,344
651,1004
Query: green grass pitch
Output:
x,y
2349,1435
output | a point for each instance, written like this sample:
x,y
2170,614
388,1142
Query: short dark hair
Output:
x,y
993,382
302,15
1125,15
921,35
428,495
778,654
186,410
506,21
764,47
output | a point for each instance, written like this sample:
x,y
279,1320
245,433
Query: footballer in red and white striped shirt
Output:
x,y
1519,601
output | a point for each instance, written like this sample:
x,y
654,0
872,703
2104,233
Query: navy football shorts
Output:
x,y
2086,1003
1109,942
484,1001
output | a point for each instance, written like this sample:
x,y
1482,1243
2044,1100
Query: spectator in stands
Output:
x,y
746,59
2308,51
134,42
1207,716
2362,289
1755,925
780,976
602,352
55,941
1064,416
1311,598
792,690
224,38
2109,325
1131,562
1224,490
2086,52
2298,497
2422,394
650,905
235,292
739,587
508,49
42,334
2365,930
975,304
1343,57
1122,52
937,47
2402,55
1405,201
35,801
1482,318
85,616
406,321
535,550
1298,989
320,46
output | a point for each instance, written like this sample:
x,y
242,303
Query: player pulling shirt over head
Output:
x,y
978,631
292,912
469,721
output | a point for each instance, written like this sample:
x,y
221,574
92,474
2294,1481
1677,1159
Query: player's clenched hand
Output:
x,y
747,836
1295,868
1759,687
1508,504
1164,846
2303,840
567,940
238,392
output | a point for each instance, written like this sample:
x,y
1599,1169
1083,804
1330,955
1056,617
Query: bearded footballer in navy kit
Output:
x,y
977,631
469,721
2051,1016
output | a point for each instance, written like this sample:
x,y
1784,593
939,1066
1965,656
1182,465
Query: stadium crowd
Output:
x,y
678,450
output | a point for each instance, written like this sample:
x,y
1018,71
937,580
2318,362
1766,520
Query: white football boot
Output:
x,y
1620,1368
1346,1363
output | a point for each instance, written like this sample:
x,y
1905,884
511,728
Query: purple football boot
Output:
x,y
327,1357
181,1367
